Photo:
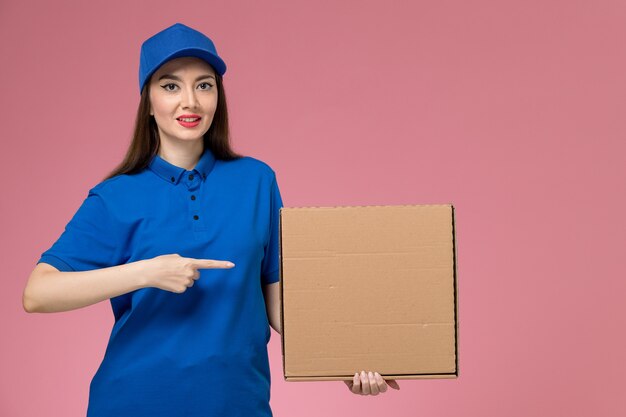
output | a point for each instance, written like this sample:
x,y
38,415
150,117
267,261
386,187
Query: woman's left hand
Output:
x,y
369,383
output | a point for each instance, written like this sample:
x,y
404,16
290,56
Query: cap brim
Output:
x,y
213,60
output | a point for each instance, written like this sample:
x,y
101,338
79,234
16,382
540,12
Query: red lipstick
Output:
x,y
189,123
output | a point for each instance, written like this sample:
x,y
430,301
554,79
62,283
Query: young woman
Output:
x,y
182,237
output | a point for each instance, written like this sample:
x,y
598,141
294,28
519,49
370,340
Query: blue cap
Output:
x,y
176,41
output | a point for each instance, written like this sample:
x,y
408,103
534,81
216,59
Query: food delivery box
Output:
x,y
369,288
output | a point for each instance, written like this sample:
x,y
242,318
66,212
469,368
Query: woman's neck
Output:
x,y
185,155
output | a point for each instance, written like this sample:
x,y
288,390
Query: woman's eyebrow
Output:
x,y
173,77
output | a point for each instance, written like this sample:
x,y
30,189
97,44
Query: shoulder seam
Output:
x,y
262,163
102,184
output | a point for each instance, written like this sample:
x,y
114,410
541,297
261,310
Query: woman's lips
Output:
x,y
189,121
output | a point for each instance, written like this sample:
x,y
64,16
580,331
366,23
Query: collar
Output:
x,y
173,173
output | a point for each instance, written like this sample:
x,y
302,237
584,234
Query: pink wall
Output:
x,y
513,111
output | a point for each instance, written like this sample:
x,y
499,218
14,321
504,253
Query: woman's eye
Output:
x,y
207,86
169,85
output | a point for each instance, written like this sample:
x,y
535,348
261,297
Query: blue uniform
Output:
x,y
201,353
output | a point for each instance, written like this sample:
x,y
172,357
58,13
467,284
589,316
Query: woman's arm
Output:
x,y
49,290
272,305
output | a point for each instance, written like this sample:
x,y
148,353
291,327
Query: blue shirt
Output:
x,y
203,352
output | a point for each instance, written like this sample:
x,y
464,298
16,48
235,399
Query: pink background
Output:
x,y
512,111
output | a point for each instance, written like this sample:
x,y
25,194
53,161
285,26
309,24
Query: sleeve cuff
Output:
x,y
272,277
56,262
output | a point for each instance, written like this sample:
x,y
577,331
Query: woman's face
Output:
x,y
183,98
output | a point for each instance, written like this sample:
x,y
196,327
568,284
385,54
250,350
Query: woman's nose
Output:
x,y
189,99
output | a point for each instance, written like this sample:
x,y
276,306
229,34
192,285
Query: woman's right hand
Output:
x,y
176,273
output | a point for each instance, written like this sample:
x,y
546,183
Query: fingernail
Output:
x,y
230,264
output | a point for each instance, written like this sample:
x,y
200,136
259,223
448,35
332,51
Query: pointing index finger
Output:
x,y
211,263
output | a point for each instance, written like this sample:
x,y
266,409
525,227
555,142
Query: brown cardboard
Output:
x,y
368,288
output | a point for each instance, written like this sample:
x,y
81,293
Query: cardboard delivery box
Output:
x,y
368,288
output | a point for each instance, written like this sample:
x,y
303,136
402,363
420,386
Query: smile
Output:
x,y
188,121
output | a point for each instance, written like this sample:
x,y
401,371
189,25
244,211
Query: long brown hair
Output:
x,y
145,141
